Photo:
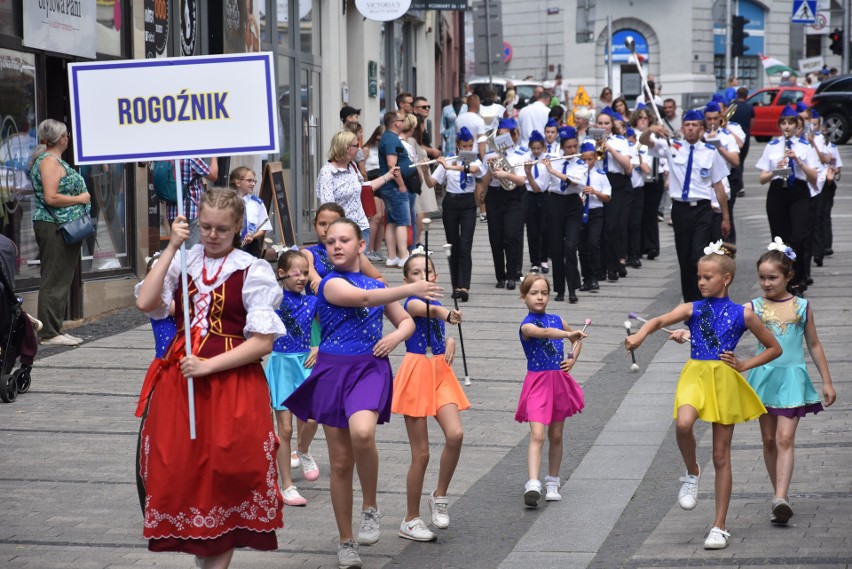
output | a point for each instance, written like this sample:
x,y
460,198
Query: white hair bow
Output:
x,y
419,250
279,248
714,248
779,245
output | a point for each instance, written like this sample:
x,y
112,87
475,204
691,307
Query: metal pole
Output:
x,y
610,79
728,39
488,42
847,20
184,287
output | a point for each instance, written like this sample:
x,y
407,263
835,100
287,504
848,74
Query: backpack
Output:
x,y
164,181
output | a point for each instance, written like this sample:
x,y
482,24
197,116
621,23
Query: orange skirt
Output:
x,y
423,385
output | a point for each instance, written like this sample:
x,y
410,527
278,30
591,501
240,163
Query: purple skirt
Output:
x,y
340,386
795,411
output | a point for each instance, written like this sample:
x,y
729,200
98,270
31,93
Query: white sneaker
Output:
x,y
439,506
309,466
688,495
551,484
295,462
532,493
292,497
368,533
347,555
716,539
392,262
416,530
61,340
401,261
781,511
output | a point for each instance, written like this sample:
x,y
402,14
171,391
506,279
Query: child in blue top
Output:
x,y
710,386
164,329
349,390
784,385
287,368
427,387
550,394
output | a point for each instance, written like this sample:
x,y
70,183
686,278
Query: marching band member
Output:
x,y
535,203
640,120
697,172
596,193
822,225
730,150
641,168
552,142
616,163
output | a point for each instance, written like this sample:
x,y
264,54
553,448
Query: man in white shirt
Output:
x,y
491,110
671,120
534,117
473,122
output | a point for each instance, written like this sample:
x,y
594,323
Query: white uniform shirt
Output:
x,y
708,168
598,180
617,144
539,172
454,180
554,149
256,218
773,153
637,177
576,170
532,117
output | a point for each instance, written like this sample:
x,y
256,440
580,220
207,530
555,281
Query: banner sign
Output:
x,y
181,107
439,5
61,26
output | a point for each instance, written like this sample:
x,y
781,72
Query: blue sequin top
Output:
x,y
543,354
716,326
296,312
322,264
416,344
164,332
348,331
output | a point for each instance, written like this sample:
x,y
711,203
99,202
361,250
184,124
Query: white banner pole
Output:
x,y
184,283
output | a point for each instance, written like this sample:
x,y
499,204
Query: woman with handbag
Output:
x,y
61,222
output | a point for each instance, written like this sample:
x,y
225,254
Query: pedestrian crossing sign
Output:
x,y
804,11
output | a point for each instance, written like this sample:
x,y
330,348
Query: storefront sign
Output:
x,y
61,26
382,10
439,4
182,107
156,16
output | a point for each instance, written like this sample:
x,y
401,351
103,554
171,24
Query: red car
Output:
x,y
767,104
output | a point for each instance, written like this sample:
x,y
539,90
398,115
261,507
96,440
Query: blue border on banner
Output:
x,y
204,60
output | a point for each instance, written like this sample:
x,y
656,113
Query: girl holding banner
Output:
x,y
220,491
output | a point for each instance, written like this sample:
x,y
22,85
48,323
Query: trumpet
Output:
x,y
600,153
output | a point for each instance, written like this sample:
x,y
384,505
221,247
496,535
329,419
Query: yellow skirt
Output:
x,y
718,392
423,385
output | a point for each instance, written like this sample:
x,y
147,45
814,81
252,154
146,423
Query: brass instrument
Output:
x,y
500,162
729,112
600,153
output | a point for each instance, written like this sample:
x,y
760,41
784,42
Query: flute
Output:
x,y
531,162
435,161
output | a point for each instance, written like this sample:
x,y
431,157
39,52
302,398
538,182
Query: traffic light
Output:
x,y
738,35
836,41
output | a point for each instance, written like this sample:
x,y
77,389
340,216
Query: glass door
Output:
x,y
312,156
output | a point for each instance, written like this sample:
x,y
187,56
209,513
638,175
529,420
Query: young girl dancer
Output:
x,y
289,365
427,387
710,386
349,391
550,394
194,500
784,385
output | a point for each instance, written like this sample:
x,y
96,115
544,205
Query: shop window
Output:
x,y
17,141
309,26
110,26
106,250
8,22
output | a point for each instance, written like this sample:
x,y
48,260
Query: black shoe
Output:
x,y
809,281
456,294
622,270
741,194
510,284
545,268
818,261
572,298
560,296
634,262
602,276
612,276
586,286
653,254
594,286
828,252
500,284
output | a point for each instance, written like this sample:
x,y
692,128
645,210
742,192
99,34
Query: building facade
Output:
x,y
327,56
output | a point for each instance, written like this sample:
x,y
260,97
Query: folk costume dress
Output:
x,y
347,377
285,368
717,391
549,394
783,384
219,491
423,384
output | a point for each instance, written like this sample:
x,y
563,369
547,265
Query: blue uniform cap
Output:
x,y
509,124
801,107
608,111
567,133
789,111
814,114
551,123
464,134
536,136
640,106
630,132
693,115
712,107
617,116
718,98
587,147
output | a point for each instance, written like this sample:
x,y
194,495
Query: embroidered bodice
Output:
x,y
297,311
543,353
349,330
715,326
416,344
786,320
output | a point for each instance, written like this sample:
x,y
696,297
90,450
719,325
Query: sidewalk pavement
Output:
x,y
68,487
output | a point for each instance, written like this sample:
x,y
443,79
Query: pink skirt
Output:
x,y
549,396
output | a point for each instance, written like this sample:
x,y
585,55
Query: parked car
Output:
x,y
768,103
833,101
524,89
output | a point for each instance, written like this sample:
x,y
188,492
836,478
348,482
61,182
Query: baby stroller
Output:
x,y
17,337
